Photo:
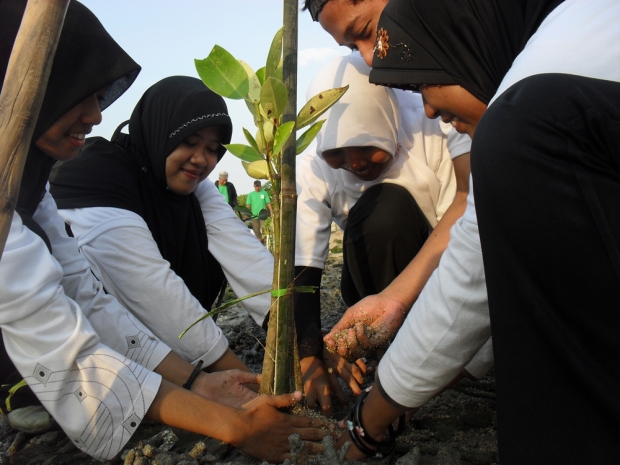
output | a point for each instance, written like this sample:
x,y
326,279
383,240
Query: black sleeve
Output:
x,y
308,312
232,195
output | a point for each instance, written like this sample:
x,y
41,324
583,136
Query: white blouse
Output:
x,y
84,356
124,256
326,195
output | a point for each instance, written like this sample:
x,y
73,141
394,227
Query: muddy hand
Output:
x,y
226,387
267,429
369,324
319,385
351,373
353,453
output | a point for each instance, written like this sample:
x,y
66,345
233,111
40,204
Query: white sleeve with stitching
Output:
x,y
98,396
116,327
124,256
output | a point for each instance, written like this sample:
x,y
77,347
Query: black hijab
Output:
x,y
87,60
129,173
471,43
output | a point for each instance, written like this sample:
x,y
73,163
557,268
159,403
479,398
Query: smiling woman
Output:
x,y
63,140
193,159
454,105
366,163
155,233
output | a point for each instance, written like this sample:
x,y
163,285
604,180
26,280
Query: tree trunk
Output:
x,y
281,371
22,95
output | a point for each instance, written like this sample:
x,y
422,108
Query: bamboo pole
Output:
x,y
22,96
288,215
281,371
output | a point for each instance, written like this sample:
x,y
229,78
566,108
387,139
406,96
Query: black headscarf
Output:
x,y
471,43
129,173
87,60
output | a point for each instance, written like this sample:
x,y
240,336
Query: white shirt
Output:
x,y
124,256
97,394
369,115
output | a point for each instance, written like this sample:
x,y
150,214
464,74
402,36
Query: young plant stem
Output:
x,y
279,358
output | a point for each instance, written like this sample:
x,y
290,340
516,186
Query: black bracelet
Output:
x,y
192,377
356,431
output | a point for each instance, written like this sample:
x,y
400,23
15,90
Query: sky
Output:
x,y
165,36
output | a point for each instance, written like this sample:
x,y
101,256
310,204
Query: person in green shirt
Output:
x,y
257,201
227,189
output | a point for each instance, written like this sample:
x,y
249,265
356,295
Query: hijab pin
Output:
x,y
381,43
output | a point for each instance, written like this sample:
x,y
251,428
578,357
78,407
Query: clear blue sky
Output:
x,y
165,36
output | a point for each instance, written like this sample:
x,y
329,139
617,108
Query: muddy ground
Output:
x,y
456,428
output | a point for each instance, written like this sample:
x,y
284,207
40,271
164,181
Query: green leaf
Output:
x,y
252,109
268,130
263,214
318,105
253,83
273,98
307,137
225,305
245,152
278,73
223,74
260,74
256,169
275,53
282,135
251,140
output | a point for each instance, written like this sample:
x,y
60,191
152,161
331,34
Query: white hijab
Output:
x,y
392,120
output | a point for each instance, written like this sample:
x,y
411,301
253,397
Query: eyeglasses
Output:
x,y
315,8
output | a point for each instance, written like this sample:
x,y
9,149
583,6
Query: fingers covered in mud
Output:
x,y
318,384
266,430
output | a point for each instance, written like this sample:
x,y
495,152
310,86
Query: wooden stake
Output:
x,y
22,95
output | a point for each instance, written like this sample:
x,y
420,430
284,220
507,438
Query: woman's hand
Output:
x,y
351,373
319,385
368,325
226,387
353,453
257,428
262,431
321,379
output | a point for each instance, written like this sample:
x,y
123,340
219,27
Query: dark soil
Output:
x,y
456,428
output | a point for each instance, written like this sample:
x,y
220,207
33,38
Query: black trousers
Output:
x,y
546,170
385,230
